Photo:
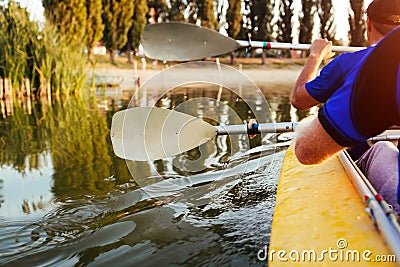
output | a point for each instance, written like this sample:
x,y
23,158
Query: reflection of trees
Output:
x,y
283,112
80,153
78,139
22,139
31,206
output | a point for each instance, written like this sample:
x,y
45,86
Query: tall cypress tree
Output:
x,y
306,21
233,18
206,13
260,14
285,23
139,21
357,23
95,27
69,18
117,19
325,13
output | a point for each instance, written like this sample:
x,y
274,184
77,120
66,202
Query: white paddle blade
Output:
x,y
174,41
153,133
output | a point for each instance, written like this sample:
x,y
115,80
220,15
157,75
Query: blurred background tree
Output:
x,y
117,19
306,18
285,24
95,27
357,23
326,18
69,17
139,22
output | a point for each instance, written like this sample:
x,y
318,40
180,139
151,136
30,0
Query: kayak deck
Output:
x,y
318,210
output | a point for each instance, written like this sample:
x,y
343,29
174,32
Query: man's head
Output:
x,y
384,15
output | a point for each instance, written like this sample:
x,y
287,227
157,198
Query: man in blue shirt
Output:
x,y
359,92
311,90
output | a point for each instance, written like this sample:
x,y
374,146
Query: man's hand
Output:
x,y
321,49
250,126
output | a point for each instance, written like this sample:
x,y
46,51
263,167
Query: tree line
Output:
x,y
119,23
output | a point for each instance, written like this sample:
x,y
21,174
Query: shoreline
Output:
x,y
274,77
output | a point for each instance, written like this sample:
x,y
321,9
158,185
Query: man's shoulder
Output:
x,y
353,56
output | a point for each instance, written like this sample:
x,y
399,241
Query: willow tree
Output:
x,y
139,21
306,21
325,13
285,23
357,23
117,19
95,27
69,17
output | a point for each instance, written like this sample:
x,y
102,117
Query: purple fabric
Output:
x,y
380,165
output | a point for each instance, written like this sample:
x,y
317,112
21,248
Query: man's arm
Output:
x,y
320,49
313,144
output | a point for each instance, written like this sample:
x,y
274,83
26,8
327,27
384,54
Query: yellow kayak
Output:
x,y
320,220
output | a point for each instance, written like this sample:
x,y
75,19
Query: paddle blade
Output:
x,y
174,41
153,133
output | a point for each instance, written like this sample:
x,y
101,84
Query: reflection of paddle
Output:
x,y
174,41
150,133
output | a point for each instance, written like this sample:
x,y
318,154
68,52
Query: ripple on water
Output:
x,y
211,218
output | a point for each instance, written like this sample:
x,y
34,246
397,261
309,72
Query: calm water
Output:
x,y
67,200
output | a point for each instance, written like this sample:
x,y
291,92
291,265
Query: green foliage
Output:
x,y
260,16
325,13
306,21
76,137
176,10
285,23
69,17
117,19
139,22
43,56
206,13
16,32
234,18
357,23
94,24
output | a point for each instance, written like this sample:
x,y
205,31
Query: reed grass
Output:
x,y
40,53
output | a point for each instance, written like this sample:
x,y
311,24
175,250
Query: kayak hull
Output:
x,y
320,220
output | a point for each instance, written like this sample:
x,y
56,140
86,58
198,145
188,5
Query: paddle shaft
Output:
x,y
289,46
386,137
174,41
281,127
379,210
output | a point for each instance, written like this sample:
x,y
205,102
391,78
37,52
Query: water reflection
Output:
x,y
65,198
63,150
